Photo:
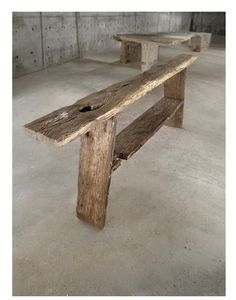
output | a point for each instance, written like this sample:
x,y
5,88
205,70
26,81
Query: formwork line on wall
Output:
x,y
77,32
42,46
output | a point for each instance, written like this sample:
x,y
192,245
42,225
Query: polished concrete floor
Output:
x,y
165,229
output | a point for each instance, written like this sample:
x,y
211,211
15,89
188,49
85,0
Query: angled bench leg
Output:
x,y
149,55
175,88
96,156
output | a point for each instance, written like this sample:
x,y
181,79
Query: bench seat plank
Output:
x,y
65,124
161,38
135,135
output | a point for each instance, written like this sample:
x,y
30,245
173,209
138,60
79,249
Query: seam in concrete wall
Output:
x,y
191,23
27,47
77,31
169,16
41,28
60,40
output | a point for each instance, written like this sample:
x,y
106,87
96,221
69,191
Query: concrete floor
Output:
x,y
165,230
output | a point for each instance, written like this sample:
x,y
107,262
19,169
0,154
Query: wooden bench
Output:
x,y
144,48
94,119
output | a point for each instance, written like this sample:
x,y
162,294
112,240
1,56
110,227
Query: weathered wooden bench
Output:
x,y
144,48
94,119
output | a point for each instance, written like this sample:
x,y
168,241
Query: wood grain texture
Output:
x,y
95,165
201,42
206,40
149,55
134,52
124,52
196,43
65,124
177,119
130,52
135,135
116,163
175,88
161,38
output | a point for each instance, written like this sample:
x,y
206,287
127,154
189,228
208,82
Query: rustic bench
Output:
x,y
94,119
144,48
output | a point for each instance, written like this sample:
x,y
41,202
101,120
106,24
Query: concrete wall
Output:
x,y
48,38
95,30
213,22
43,39
59,32
27,43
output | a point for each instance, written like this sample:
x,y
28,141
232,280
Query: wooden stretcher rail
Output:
x,y
136,134
65,124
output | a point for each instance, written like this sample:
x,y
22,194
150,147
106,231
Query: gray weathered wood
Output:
x,y
130,52
95,165
65,124
150,43
164,38
149,56
161,38
135,135
196,43
175,88
200,42
124,52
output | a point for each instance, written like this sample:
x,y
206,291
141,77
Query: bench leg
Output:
x,y
175,88
96,155
201,42
177,119
134,52
196,43
130,52
149,55
124,53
